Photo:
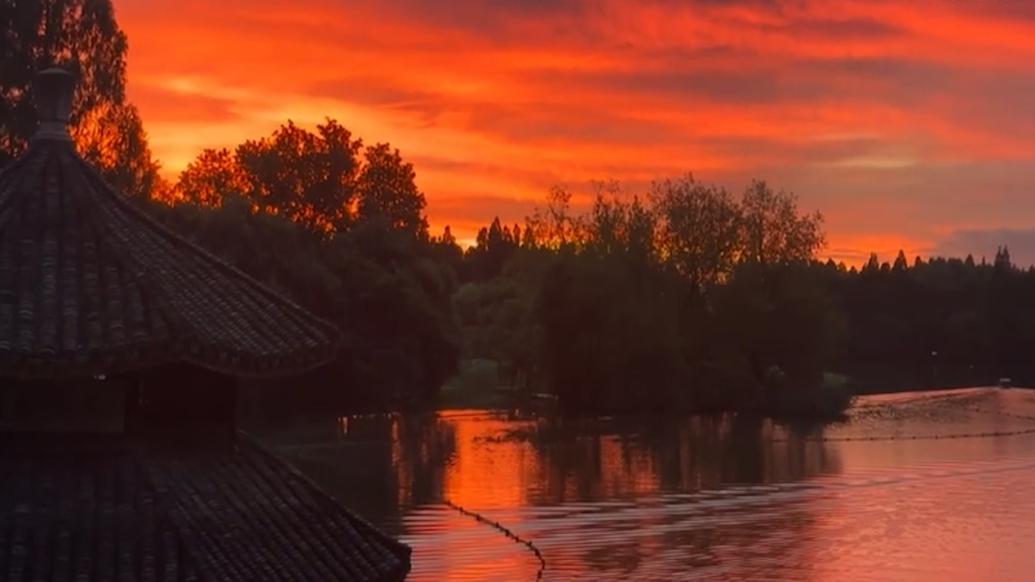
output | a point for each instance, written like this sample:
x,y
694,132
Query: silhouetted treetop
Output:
x,y
901,263
774,231
82,37
212,177
1002,259
699,229
388,191
323,179
555,226
308,177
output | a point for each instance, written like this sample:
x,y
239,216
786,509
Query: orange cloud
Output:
x,y
903,122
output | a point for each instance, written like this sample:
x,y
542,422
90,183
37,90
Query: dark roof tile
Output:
x,y
90,284
92,513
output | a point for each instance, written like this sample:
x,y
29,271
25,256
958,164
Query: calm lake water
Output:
x,y
923,486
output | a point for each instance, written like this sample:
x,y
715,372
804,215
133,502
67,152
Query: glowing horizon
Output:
x,y
904,124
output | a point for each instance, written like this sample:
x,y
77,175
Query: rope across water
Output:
x,y
503,530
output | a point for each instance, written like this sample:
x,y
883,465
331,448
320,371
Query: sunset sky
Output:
x,y
908,124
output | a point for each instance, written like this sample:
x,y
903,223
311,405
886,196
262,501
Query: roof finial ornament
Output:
x,y
53,91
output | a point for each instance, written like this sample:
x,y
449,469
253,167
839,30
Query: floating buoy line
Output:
x,y
927,437
503,530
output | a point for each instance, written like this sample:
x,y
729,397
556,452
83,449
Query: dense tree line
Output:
x,y
693,299
689,299
935,322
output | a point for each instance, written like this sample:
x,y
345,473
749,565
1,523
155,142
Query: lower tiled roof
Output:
x,y
101,512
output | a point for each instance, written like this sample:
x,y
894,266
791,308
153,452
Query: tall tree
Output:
x,y
307,177
1003,263
388,191
699,229
774,232
617,227
901,263
113,140
495,245
554,226
83,37
872,264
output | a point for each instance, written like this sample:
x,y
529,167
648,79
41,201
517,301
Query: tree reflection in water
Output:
x,y
598,495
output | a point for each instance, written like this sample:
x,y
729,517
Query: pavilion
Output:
x,y
99,299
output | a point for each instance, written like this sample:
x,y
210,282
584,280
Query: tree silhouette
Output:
x,y
494,246
212,177
554,226
82,37
308,177
901,263
699,229
318,179
447,251
388,191
1002,259
774,231
872,264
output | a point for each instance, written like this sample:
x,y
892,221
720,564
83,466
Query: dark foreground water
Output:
x,y
933,486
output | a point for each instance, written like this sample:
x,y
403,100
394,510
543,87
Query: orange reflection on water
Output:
x,y
485,472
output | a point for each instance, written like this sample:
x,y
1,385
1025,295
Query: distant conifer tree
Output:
x,y
872,265
1002,259
901,263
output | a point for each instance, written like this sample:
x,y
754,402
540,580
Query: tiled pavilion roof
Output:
x,y
90,284
94,512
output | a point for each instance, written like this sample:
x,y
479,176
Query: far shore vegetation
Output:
x,y
686,297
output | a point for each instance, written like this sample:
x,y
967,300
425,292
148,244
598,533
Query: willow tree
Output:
x,y
83,37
